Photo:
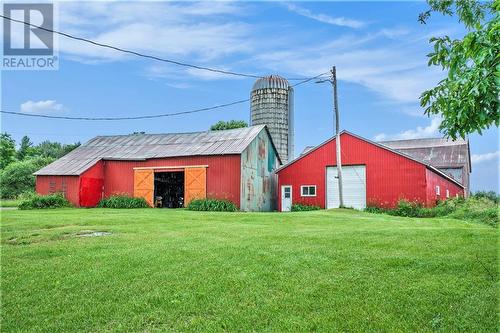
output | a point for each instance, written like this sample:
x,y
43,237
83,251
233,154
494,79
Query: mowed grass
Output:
x,y
9,203
176,270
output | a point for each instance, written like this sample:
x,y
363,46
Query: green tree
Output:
x,y
25,149
53,149
18,178
7,150
69,147
467,99
225,125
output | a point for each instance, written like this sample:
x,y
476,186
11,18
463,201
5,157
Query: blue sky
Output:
x,y
379,49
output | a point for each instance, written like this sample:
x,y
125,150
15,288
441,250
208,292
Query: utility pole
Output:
x,y
333,81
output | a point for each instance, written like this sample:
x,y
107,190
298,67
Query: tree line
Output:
x,y
17,165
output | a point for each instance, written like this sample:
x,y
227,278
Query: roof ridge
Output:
x,y
178,133
146,146
379,144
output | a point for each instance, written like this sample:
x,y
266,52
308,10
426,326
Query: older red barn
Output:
x,y
169,170
373,174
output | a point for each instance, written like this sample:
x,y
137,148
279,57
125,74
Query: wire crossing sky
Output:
x,y
203,57
139,54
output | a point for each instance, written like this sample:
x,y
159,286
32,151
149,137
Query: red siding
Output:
x,y
223,174
91,185
433,180
68,185
223,178
389,176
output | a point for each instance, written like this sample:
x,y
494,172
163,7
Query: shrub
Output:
x,y
303,207
479,209
122,201
375,210
44,201
215,205
491,195
18,177
408,209
8,203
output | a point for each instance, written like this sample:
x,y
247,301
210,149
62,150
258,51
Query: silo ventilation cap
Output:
x,y
271,81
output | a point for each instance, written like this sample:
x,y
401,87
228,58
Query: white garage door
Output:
x,y
354,186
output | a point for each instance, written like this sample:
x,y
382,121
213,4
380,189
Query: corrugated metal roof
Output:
x,y
271,81
306,150
379,144
439,152
146,146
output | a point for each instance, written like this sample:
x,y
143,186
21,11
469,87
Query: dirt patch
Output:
x,y
92,233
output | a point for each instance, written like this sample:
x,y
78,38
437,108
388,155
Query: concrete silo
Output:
x,y
272,105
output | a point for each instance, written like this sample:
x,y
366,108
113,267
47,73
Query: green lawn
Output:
x,y
176,270
8,203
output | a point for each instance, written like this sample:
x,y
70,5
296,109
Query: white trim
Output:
x,y
308,195
171,167
447,193
438,190
282,190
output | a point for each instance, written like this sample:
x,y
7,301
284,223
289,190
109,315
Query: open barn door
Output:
x,y
195,184
144,185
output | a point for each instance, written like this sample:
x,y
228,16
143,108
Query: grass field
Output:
x,y
8,203
176,270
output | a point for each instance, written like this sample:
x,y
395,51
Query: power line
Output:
x,y
147,116
125,118
139,54
309,79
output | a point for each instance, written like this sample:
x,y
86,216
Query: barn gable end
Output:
x,y
388,175
107,165
258,181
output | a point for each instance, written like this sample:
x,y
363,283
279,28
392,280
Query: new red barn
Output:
x,y
373,174
169,170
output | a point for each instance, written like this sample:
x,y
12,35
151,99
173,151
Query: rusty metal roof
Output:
x,y
439,152
147,146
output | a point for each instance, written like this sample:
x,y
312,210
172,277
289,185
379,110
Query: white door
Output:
x,y
286,198
353,184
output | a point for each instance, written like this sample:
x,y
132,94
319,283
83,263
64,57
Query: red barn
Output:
x,y
169,170
373,174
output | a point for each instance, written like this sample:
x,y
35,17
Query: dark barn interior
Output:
x,y
169,189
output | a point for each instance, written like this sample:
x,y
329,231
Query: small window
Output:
x,y
287,192
447,193
308,190
438,192
52,186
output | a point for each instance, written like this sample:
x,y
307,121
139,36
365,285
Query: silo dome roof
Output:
x,y
271,81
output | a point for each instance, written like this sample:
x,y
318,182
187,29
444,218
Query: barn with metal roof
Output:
x,y
169,170
373,174
450,156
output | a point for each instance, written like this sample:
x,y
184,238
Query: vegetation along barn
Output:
x,y
373,174
169,170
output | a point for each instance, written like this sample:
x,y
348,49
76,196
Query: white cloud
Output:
x,y
479,158
431,130
179,85
169,30
388,61
338,21
179,76
41,106
395,69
